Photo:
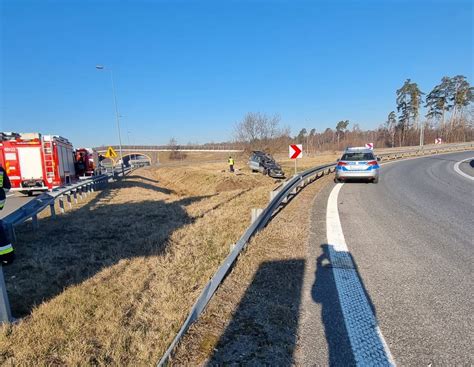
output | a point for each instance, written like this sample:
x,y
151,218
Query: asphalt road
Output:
x,y
14,201
411,241
412,237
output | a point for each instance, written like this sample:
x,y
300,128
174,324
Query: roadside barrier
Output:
x,y
63,196
278,198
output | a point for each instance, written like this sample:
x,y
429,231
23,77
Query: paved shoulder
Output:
x,y
14,201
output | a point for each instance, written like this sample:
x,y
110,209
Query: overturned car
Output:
x,y
262,162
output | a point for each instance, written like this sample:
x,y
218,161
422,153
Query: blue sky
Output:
x,y
192,69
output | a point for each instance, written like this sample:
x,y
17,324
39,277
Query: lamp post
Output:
x,y
117,116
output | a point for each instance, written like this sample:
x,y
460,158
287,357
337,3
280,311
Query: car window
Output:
x,y
356,156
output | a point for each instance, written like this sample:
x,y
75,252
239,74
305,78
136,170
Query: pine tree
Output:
x,y
391,126
340,129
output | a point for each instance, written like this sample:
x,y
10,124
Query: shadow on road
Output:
x,y
264,326
325,292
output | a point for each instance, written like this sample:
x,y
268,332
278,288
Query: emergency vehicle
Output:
x,y
85,162
36,162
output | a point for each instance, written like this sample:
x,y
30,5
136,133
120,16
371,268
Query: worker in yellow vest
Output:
x,y
6,248
231,164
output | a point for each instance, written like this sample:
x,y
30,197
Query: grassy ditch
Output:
x,y
111,281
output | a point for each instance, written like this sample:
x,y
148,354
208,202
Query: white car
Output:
x,y
357,164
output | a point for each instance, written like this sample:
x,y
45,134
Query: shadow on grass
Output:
x,y
264,326
77,245
140,184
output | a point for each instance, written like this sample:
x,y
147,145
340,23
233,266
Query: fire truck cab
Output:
x,y
36,162
85,163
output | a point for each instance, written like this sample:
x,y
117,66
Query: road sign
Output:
x,y
111,153
438,141
295,151
369,146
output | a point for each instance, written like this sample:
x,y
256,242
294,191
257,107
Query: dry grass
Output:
x,y
194,157
253,317
94,293
110,282
304,163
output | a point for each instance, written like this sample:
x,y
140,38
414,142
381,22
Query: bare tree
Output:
x,y
258,130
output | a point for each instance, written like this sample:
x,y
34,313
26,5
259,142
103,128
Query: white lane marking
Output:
x,y
9,195
458,170
367,342
333,224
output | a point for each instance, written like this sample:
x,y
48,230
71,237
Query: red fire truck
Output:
x,y
85,162
36,162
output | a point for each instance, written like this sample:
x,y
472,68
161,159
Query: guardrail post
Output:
x,y
255,212
61,203
5,313
53,210
68,198
10,232
34,221
75,195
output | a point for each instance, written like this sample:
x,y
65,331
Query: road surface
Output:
x,y
14,201
411,242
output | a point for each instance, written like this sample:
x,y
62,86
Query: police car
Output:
x,y
357,163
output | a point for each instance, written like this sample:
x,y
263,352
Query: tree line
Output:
x,y
445,112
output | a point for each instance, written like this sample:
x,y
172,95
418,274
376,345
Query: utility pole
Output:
x,y
117,116
422,135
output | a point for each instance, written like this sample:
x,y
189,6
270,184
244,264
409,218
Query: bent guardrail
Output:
x,y
284,193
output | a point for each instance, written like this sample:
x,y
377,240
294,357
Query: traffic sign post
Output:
x,y
295,151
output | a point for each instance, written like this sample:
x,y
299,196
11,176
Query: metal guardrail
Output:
x,y
285,192
32,208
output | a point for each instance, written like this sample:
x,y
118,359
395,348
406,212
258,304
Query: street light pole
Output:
x,y
117,116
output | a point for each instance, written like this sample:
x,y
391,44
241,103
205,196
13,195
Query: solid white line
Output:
x,y
9,195
333,224
458,170
367,342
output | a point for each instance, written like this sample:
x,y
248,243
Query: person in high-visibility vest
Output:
x,y
6,248
231,164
